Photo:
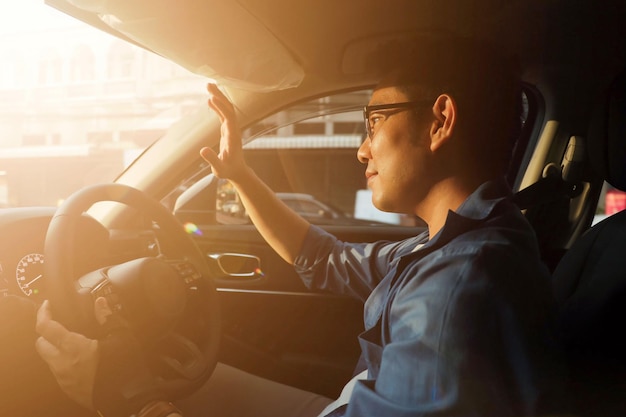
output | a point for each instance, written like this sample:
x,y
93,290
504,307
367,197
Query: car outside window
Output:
x,y
307,155
611,201
309,150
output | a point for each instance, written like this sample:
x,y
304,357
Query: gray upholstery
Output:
x,y
590,280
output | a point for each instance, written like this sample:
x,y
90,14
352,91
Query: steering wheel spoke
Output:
x,y
187,271
105,289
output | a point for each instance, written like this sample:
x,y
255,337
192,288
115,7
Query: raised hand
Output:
x,y
229,163
279,225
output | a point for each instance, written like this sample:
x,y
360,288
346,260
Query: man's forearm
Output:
x,y
279,225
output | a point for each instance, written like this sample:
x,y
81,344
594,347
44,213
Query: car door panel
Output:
x,y
274,326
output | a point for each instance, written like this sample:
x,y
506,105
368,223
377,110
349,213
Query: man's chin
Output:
x,y
381,204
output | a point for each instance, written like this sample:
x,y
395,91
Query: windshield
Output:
x,y
78,105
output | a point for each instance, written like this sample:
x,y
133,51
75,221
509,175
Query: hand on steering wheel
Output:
x,y
109,374
72,357
168,303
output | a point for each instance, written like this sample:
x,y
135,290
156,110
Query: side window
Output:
x,y
611,201
307,155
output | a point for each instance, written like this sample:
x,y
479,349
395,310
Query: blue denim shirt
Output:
x,y
459,326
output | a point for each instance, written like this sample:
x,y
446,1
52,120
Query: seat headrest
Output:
x,y
607,135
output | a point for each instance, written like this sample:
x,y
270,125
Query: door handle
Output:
x,y
237,265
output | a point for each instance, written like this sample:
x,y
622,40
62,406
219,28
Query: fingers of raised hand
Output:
x,y
210,156
220,104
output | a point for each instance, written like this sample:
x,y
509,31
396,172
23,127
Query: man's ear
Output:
x,y
444,111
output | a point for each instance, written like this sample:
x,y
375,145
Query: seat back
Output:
x,y
590,280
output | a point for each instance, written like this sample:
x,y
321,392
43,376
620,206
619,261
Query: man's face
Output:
x,y
398,153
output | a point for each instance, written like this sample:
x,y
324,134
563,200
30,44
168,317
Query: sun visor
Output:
x,y
214,38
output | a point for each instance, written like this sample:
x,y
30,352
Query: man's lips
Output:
x,y
369,175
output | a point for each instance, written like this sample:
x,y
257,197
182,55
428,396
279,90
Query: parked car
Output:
x,y
315,211
307,206
298,69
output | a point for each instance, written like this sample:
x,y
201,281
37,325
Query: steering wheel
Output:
x,y
170,302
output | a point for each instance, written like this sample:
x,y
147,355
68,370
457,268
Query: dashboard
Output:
x,y
23,375
22,236
22,240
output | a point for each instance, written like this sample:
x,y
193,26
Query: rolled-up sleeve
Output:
x,y
326,263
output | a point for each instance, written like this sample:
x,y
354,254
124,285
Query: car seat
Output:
x,y
590,280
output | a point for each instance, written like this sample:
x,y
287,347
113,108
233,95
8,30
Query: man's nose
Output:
x,y
363,153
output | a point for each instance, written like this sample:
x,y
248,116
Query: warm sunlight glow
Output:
x,y
77,105
19,16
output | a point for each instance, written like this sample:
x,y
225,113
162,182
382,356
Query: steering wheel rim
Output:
x,y
72,305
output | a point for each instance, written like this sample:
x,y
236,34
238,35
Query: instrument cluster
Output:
x,y
21,255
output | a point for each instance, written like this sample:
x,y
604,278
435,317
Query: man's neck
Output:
x,y
444,196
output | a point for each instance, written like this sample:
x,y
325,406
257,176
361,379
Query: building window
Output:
x,y
99,138
348,128
309,129
13,70
121,60
33,140
83,66
50,68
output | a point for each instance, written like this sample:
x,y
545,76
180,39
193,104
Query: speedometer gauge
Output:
x,y
29,273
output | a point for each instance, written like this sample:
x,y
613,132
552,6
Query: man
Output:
x,y
457,320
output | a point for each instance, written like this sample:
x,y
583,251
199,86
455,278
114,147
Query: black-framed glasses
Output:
x,y
368,110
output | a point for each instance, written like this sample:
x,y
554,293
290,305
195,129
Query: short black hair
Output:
x,y
483,80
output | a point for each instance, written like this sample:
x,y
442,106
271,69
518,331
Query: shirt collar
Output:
x,y
477,208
